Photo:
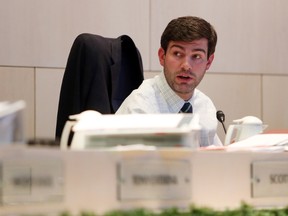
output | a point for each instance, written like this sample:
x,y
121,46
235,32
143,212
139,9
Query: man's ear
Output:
x,y
209,62
161,56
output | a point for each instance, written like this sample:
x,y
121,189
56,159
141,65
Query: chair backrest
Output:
x,y
100,73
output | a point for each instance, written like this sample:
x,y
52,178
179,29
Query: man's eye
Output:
x,y
178,54
198,59
196,56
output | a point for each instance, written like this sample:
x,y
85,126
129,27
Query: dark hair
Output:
x,y
189,28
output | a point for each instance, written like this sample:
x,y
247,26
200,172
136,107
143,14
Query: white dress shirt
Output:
x,y
155,96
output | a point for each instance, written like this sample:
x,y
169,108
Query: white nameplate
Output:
x,y
270,179
29,180
154,179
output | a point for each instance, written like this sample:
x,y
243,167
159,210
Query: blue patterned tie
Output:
x,y
187,108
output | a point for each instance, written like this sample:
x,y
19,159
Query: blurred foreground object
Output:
x,y
93,130
11,122
244,128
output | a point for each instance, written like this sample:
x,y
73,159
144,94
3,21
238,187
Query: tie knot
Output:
x,y
187,108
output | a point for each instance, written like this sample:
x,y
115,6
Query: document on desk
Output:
x,y
163,130
262,142
134,122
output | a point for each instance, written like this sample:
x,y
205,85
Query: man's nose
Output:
x,y
186,65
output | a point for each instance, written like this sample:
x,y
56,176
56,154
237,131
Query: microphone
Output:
x,y
221,118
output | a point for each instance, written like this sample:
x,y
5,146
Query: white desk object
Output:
x,y
102,180
161,130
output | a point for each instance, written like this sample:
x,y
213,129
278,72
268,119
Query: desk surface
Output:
x,y
219,179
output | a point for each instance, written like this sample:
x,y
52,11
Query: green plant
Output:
x,y
243,210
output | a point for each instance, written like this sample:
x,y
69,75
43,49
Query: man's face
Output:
x,y
185,64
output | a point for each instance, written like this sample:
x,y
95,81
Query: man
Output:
x,y
186,53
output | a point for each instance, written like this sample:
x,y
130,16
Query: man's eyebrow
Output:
x,y
181,47
200,50
177,46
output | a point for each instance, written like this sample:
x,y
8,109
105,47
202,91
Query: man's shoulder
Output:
x,y
141,100
199,95
148,86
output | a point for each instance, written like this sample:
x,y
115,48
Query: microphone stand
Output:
x,y
221,118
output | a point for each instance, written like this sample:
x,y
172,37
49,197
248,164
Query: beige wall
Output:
x,y
248,76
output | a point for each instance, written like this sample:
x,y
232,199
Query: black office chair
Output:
x,y
100,73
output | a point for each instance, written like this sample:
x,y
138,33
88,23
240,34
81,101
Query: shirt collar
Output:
x,y
173,100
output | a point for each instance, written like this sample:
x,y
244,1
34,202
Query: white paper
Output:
x,y
261,142
161,130
136,122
